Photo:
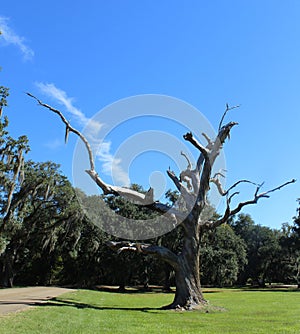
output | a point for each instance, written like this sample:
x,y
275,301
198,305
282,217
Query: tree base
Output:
x,y
187,306
203,307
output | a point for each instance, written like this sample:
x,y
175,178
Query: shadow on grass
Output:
x,y
135,289
58,302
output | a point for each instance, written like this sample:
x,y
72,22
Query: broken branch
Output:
x,y
189,137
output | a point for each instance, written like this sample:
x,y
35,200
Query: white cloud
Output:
x,y
10,37
61,97
111,166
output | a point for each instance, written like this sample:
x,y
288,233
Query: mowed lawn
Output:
x,y
87,311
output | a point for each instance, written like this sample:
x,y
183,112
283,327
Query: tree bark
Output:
x,y
188,294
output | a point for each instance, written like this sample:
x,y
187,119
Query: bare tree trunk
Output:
x,y
187,272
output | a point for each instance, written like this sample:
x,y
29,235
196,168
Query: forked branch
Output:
x,y
225,112
222,192
231,212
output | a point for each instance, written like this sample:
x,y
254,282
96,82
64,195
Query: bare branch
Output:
x,y
229,213
223,192
189,137
224,133
220,174
175,179
186,194
225,112
190,177
187,159
277,188
213,153
231,196
139,198
162,252
209,141
238,182
216,181
185,177
69,128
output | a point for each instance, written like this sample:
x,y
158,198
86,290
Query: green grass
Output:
x,y
105,312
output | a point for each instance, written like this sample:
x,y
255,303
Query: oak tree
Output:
x,y
193,185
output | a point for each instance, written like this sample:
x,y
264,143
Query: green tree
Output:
x,y
263,248
12,153
223,256
288,262
44,234
39,207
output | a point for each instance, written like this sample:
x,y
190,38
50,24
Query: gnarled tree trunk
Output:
x,y
187,275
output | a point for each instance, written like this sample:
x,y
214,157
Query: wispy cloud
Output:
x,y
110,165
50,90
59,95
8,36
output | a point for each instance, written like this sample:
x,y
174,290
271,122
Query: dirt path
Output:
x,y
16,299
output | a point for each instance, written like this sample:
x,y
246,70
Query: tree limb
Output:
x,y
223,192
189,137
216,181
69,128
189,166
138,197
229,213
209,141
161,252
225,112
192,175
188,196
241,181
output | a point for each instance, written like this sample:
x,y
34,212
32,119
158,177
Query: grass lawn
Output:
x,y
104,312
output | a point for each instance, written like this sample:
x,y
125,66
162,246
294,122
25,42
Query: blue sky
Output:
x,y
82,56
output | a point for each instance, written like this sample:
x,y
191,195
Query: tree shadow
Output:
x,y
132,290
59,302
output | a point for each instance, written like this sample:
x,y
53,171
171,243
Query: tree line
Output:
x,y
46,238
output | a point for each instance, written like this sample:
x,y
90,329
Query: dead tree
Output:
x,y
193,186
